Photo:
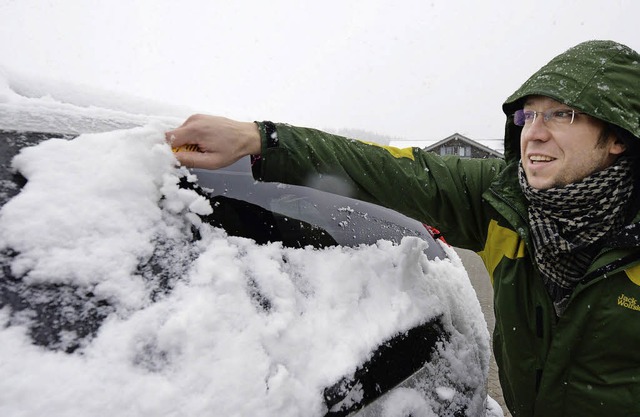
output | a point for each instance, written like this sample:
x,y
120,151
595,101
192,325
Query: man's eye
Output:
x,y
562,114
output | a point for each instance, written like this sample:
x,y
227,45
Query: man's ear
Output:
x,y
616,145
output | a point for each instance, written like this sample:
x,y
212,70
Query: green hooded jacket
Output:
x,y
586,363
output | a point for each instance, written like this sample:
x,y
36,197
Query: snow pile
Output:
x,y
228,327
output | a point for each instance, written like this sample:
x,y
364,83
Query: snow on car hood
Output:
x,y
39,105
98,206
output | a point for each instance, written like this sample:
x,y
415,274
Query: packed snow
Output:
x,y
96,209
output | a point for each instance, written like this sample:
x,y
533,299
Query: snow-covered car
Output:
x,y
132,286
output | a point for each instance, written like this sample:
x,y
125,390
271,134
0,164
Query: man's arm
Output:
x,y
445,193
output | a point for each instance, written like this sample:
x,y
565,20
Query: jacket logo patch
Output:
x,y
628,302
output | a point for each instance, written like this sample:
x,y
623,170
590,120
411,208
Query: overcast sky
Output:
x,y
407,69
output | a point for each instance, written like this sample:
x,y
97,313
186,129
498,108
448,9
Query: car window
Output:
x,y
391,364
345,220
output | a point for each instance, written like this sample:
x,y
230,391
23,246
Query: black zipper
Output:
x,y
539,333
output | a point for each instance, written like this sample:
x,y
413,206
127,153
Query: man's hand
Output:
x,y
214,142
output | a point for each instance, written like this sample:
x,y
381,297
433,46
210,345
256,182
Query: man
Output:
x,y
556,222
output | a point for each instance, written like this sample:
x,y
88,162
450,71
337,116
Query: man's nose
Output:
x,y
538,130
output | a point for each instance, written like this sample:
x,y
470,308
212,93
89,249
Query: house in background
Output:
x,y
460,145
456,144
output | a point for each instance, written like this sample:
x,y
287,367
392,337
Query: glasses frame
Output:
x,y
548,115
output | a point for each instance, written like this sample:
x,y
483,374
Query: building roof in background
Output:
x,y
489,145
462,138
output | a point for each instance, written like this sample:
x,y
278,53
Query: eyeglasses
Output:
x,y
555,116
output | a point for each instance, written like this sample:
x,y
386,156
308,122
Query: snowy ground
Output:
x,y
97,207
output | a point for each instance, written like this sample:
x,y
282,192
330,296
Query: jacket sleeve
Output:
x,y
445,192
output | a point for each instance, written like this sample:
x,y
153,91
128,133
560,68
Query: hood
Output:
x,y
600,78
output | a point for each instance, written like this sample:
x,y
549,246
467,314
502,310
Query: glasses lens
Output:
x,y
562,116
518,118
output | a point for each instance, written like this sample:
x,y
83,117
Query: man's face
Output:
x,y
558,154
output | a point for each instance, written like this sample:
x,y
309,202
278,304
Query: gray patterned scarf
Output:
x,y
568,222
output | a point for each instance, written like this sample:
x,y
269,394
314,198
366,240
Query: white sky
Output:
x,y
409,69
